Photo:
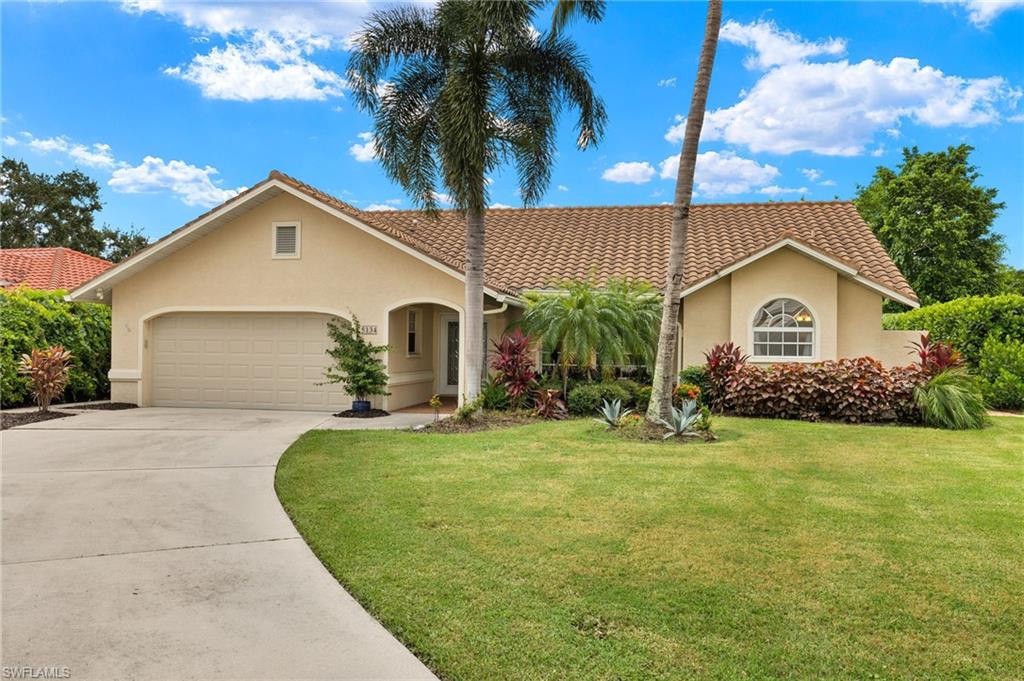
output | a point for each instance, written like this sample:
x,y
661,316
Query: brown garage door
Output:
x,y
242,360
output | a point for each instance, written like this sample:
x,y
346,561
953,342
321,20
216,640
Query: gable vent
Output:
x,y
286,240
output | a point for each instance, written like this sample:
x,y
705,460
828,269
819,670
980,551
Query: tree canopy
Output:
x,y
934,219
41,210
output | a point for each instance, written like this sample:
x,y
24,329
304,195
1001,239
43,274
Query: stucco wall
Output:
x,y
341,269
705,319
894,350
859,332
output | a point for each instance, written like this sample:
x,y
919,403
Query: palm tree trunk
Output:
x,y
664,373
474,304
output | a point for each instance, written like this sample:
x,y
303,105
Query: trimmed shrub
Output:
x,y
723,360
1001,370
697,375
586,399
643,398
32,319
853,390
966,323
633,388
951,399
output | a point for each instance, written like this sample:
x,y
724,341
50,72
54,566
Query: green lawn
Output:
x,y
785,549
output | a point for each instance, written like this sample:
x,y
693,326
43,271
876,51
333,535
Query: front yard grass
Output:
x,y
785,549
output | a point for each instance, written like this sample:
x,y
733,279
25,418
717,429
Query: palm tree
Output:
x,y
661,392
455,92
589,325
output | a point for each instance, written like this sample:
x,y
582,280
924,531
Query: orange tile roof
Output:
x,y
528,248
48,268
531,247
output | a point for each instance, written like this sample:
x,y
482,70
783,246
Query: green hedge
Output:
x,y
1002,371
587,398
967,323
35,319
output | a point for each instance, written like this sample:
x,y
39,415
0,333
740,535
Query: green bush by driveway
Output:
x,y
784,550
36,319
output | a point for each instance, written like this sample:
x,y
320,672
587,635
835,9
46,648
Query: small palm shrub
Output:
x,y
683,421
1001,369
494,395
951,399
48,370
514,368
723,360
586,398
612,413
548,404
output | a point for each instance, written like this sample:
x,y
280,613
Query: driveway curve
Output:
x,y
149,544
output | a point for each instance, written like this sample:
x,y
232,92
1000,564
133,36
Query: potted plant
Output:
x,y
357,366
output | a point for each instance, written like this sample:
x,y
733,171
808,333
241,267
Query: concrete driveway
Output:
x,y
149,544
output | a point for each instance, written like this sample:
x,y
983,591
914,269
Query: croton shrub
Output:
x,y
857,390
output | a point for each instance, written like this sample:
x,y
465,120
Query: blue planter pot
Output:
x,y
361,405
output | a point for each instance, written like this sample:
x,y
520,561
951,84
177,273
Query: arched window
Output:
x,y
783,329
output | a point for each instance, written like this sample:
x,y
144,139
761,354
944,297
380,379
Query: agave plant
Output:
x,y
612,413
683,421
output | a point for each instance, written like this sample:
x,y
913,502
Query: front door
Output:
x,y
449,383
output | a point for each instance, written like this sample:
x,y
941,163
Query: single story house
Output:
x,y
230,310
49,269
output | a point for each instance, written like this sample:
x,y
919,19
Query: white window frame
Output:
x,y
814,329
274,255
418,340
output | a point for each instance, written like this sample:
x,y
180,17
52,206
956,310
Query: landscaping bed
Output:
x,y
9,420
107,406
783,550
368,414
488,420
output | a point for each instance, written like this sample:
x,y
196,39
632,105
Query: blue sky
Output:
x,y
174,106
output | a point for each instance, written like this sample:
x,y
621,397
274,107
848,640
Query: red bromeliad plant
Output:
x,y
722,360
515,368
935,356
47,369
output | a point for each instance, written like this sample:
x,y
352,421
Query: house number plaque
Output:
x,y
369,329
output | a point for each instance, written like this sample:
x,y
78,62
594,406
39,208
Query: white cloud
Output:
x,y
367,151
500,205
667,82
96,156
193,185
837,108
772,46
775,190
811,174
677,131
10,141
562,188
380,207
719,173
336,19
983,12
266,66
633,172
828,183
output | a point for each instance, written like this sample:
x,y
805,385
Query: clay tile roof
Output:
x,y
532,247
48,268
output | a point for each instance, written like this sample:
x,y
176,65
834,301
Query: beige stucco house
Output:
x,y
230,310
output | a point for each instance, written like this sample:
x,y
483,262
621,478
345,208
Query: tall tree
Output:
x,y
469,86
664,374
933,218
40,210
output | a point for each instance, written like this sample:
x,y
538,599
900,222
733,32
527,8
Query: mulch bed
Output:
x,y
20,419
489,420
645,431
108,406
372,414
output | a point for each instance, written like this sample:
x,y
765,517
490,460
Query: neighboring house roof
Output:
x,y
48,268
530,248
